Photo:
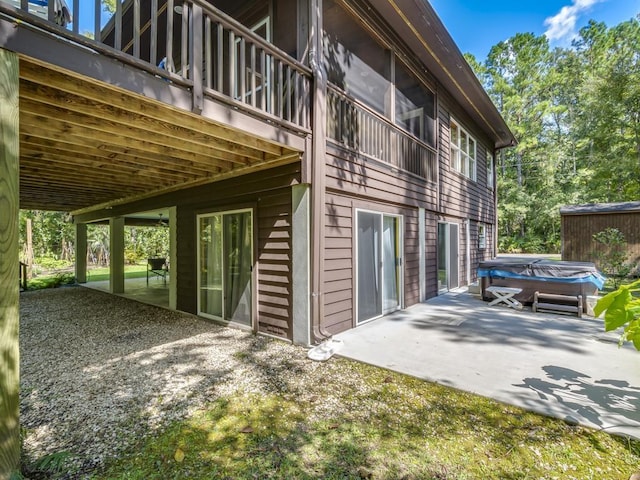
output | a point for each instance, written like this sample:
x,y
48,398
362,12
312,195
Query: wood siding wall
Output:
x,y
462,198
577,232
274,265
366,184
269,194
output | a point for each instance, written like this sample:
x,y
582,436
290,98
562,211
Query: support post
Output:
x,y
9,285
173,259
81,252
116,255
301,226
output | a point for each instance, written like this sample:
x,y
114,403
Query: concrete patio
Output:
x,y
153,292
557,365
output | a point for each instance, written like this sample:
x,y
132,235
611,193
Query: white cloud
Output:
x,y
562,25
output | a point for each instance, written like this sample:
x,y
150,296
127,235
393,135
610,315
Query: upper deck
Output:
x,y
113,107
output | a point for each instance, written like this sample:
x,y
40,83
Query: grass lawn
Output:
x,y
373,424
138,270
93,275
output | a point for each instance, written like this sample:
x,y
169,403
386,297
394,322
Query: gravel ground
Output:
x,y
98,372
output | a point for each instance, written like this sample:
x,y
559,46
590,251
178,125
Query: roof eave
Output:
x,y
419,25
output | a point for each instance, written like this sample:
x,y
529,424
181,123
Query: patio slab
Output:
x,y
557,365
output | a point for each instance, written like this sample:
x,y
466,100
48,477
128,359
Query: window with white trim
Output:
x,y
463,151
489,170
482,236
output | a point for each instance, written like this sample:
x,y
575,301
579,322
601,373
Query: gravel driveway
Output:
x,y
98,372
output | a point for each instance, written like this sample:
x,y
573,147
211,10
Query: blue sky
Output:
x,y
477,25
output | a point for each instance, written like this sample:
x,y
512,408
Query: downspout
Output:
x,y
318,181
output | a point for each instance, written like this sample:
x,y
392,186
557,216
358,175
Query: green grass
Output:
x,y
376,425
93,275
130,271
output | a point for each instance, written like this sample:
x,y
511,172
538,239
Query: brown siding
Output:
x,y
459,195
577,232
269,193
339,268
431,254
274,265
367,178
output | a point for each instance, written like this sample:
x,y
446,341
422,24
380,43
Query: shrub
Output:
x,y
612,254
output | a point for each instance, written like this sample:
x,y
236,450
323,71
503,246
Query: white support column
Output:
x,y
301,227
116,255
422,240
81,252
9,286
173,263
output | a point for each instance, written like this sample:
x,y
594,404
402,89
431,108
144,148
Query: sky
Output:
x,y
477,25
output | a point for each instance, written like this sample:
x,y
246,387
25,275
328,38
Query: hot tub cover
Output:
x,y
542,270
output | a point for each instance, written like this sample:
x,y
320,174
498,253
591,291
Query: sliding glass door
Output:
x,y
225,266
379,265
448,246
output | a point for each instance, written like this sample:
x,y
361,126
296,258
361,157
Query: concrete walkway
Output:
x,y
557,365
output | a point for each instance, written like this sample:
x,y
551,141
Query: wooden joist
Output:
x,y
86,143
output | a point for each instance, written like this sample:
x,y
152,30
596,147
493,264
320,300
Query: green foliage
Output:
x,y
622,309
612,254
576,114
52,263
53,465
379,425
52,281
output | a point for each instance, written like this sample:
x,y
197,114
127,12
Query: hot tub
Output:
x,y
544,276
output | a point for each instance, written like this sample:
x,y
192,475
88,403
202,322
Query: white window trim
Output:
x,y
482,236
461,161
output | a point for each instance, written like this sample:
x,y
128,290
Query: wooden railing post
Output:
x,y
197,59
9,289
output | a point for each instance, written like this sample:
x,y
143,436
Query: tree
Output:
x,y
576,114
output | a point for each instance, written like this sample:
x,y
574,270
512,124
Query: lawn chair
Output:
x,y
157,267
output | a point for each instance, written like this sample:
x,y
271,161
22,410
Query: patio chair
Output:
x,y
158,267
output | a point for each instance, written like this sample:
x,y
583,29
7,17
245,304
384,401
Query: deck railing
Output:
x,y
360,129
188,42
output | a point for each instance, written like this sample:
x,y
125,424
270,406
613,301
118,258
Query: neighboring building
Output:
x,y
320,162
581,222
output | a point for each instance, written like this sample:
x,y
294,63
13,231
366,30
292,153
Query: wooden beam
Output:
x,y
9,286
33,118
97,145
171,138
118,99
290,158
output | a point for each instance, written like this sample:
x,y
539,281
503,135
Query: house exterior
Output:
x,y
321,163
580,222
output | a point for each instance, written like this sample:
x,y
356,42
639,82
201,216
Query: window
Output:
x,y
354,61
415,105
482,236
463,151
489,170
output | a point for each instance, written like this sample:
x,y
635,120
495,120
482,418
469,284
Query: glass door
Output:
x,y
225,264
379,265
448,275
